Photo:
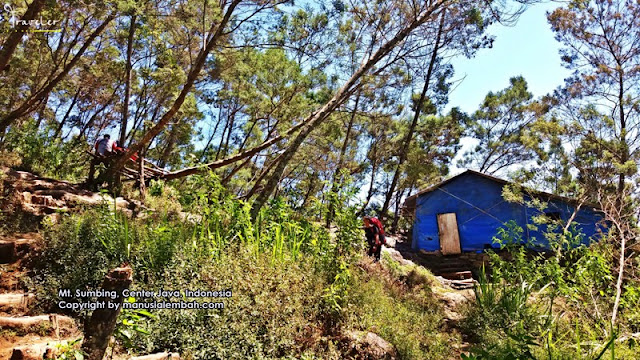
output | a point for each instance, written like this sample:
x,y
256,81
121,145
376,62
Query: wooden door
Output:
x,y
448,232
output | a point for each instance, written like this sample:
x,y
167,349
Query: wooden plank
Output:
x,y
459,275
448,232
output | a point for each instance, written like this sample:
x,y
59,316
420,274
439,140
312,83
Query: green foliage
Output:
x,y
520,311
84,247
295,287
274,306
70,351
131,322
503,127
410,319
45,155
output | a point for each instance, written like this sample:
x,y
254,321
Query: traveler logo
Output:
x,y
11,15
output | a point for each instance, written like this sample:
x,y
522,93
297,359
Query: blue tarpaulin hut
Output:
x,y
464,213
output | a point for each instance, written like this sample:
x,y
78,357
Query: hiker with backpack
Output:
x,y
375,236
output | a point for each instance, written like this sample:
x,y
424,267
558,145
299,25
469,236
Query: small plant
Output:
x,y
70,351
131,324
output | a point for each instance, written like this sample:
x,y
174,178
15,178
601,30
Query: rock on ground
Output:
x,y
364,345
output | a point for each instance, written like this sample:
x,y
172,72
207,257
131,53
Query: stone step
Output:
x,y
449,270
459,275
15,302
41,324
462,284
15,247
41,210
42,350
41,199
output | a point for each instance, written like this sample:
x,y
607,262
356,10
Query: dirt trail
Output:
x,y
24,335
452,294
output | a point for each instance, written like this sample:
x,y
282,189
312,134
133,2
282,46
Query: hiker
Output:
x,y
375,236
104,148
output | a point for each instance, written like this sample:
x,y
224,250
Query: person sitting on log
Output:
x,y
105,149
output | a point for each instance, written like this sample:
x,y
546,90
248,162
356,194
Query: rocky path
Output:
x,y
453,294
25,335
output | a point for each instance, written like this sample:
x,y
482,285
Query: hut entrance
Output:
x,y
448,233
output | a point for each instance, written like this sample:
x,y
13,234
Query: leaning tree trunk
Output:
x,y
414,123
218,34
33,101
350,87
312,121
10,45
127,83
337,178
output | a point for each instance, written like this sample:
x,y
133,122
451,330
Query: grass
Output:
x,y
280,270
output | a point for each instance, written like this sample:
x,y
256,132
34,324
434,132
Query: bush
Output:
x,y
273,311
410,319
84,247
42,154
551,305
295,287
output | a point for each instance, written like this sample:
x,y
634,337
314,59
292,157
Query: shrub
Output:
x,y
84,247
410,319
273,310
45,155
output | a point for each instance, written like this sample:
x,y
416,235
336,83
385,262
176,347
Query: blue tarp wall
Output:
x,y
480,211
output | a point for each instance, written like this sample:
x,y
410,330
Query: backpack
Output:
x,y
375,221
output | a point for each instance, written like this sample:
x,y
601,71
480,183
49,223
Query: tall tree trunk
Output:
x,y
218,33
66,114
321,114
620,201
29,104
414,123
213,134
168,149
338,99
337,178
307,195
142,185
396,214
374,168
93,117
10,45
222,137
261,177
127,82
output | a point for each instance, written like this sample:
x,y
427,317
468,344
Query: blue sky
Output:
x,y
526,49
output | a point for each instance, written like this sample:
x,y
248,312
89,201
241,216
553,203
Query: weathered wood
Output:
x,y
10,302
458,275
54,323
448,232
103,321
142,176
151,171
